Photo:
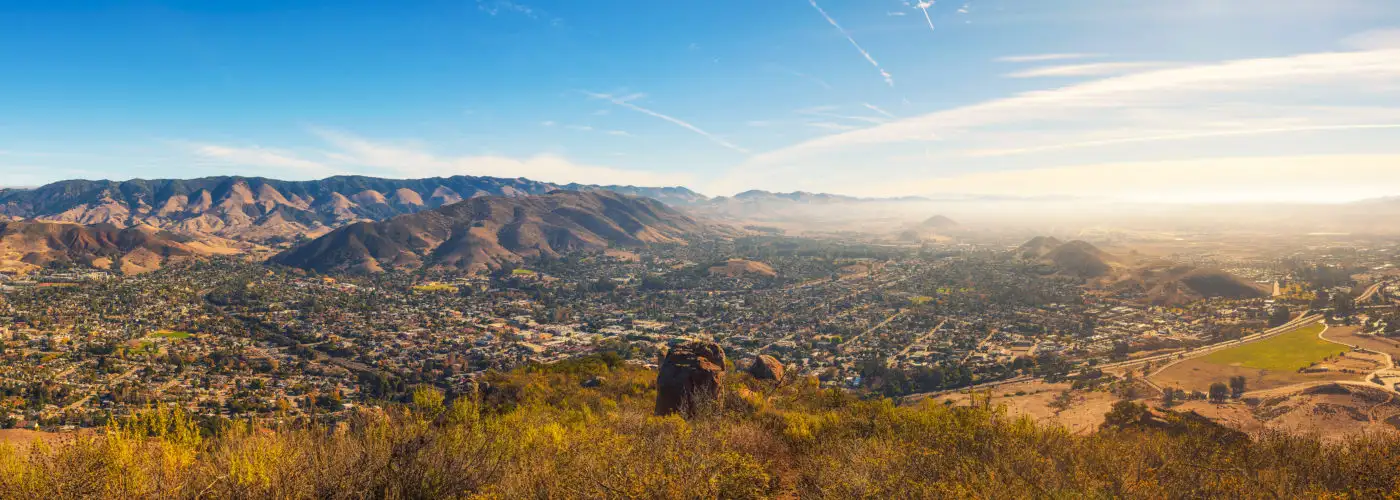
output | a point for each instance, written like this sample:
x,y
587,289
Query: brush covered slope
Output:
x,y
29,245
488,232
543,432
1169,284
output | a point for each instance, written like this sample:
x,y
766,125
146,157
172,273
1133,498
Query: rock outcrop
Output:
x,y
689,379
766,367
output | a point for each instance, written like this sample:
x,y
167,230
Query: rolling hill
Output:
x,y
488,232
1172,284
29,245
1159,282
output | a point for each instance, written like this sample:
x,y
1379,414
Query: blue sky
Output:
x,y
1246,100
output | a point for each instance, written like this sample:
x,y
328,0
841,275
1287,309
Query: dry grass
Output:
x,y
539,434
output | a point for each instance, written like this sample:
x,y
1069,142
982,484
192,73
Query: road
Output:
x,y
878,326
984,341
79,403
1370,292
890,360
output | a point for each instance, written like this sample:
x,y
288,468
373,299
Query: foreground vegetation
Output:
x,y
539,432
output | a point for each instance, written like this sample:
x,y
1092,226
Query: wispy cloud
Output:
x,y
626,102
1239,179
814,79
894,13
831,126
877,109
256,156
828,112
1375,39
498,7
889,79
407,161
1092,69
1181,137
1045,57
1099,102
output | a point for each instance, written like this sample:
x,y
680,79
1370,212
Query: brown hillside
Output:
x,y
29,245
487,232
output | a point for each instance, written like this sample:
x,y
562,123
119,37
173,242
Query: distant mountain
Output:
x,y
267,210
1038,247
938,222
674,196
1160,282
1080,259
29,245
488,232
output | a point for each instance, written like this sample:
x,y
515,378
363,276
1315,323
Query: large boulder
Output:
x,y
689,378
766,367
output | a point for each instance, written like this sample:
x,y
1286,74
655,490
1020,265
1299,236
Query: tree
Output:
x,y
1125,414
1219,392
1062,401
1278,316
1237,386
1169,397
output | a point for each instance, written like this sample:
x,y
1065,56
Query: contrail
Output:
x,y
888,78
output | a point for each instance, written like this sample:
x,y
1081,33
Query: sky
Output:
x,y
1182,101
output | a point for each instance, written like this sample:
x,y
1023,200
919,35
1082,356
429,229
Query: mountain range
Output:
x,y
269,211
493,231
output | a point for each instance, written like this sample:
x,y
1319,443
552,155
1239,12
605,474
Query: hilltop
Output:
x,y
489,232
938,222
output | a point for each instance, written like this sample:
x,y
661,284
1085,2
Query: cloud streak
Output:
x,y
1122,96
1045,57
877,109
889,79
257,156
1093,69
625,101
1181,137
408,161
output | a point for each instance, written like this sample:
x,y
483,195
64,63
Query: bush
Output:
x,y
535,433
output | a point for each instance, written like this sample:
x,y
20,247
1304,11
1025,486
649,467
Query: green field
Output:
x,y
1287,352
435,287
171,334
522,272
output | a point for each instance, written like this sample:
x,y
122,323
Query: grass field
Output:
x,y
1287,352
522,272
171,334
435,287
1267,364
